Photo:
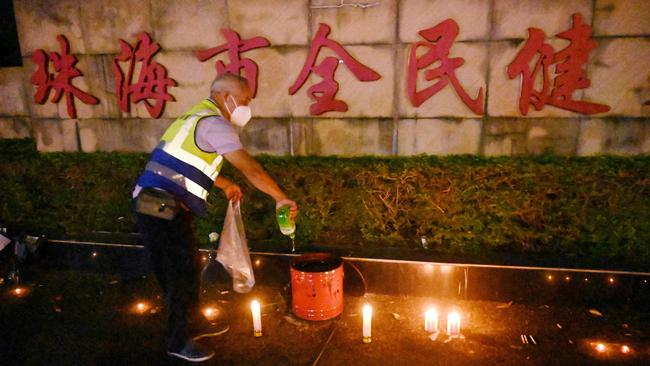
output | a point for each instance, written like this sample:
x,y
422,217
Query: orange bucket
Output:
x,y
317,286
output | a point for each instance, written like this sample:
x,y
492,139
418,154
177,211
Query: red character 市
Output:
x,y
234,47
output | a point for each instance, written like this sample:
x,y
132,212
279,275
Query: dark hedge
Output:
x,y
574,209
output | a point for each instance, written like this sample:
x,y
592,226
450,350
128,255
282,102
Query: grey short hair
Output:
x,y
228,82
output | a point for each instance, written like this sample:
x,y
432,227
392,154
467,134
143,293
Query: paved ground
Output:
x,y
72,317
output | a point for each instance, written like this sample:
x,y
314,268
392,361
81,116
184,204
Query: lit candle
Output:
x,y
431,321
141,307
453,324
625,349
601,348
257,318
18,291
367,323
210,313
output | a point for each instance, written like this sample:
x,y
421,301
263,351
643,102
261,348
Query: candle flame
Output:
x,y
431,320
625,349
453,324
141,307
255,305
601,347
367,310
454,316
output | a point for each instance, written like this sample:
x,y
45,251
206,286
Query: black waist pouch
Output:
x,y
157,203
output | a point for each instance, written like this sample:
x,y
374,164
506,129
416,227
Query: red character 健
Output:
x,y
569,63
152,77
439,41
323,93
234,45
64,66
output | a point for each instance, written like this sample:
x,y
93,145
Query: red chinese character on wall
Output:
x,y
234,45
152,83
570,74
439,41
64,66
325,91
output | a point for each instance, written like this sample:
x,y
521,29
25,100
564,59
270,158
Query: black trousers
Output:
x,y
174,256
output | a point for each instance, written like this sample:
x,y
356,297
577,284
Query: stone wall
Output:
x,y
380,120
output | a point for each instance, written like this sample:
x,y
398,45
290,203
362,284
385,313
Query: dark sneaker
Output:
x,y
209,329
193,351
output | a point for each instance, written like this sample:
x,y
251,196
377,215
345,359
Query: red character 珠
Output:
x,y
152,77
439,41
323,93
64,66
234,45
570,74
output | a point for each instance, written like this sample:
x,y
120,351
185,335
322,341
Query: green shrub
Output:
x,y
573,208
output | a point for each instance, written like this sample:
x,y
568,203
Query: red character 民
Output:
x,y
439,41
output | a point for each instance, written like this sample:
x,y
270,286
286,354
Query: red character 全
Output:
x,y
234,45
323,93
439,41
64,66
152,77
569,63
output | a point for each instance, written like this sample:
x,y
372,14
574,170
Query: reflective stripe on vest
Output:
x,y
179,166
174,147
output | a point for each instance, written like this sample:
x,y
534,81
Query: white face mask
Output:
x,y
240,115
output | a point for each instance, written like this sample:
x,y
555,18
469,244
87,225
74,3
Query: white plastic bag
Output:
x,y
233,250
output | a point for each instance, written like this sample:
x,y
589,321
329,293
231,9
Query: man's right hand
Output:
x,y
293,212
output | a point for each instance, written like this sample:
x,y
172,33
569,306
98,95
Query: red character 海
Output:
x,y
152,81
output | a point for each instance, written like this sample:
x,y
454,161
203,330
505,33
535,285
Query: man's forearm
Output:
x,y
222,182
262,181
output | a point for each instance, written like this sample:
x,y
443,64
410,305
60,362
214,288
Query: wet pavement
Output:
x,y
509,316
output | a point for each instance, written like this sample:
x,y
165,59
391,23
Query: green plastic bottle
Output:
x,y
287,226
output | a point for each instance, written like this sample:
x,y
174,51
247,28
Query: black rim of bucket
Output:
x,y
331,262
